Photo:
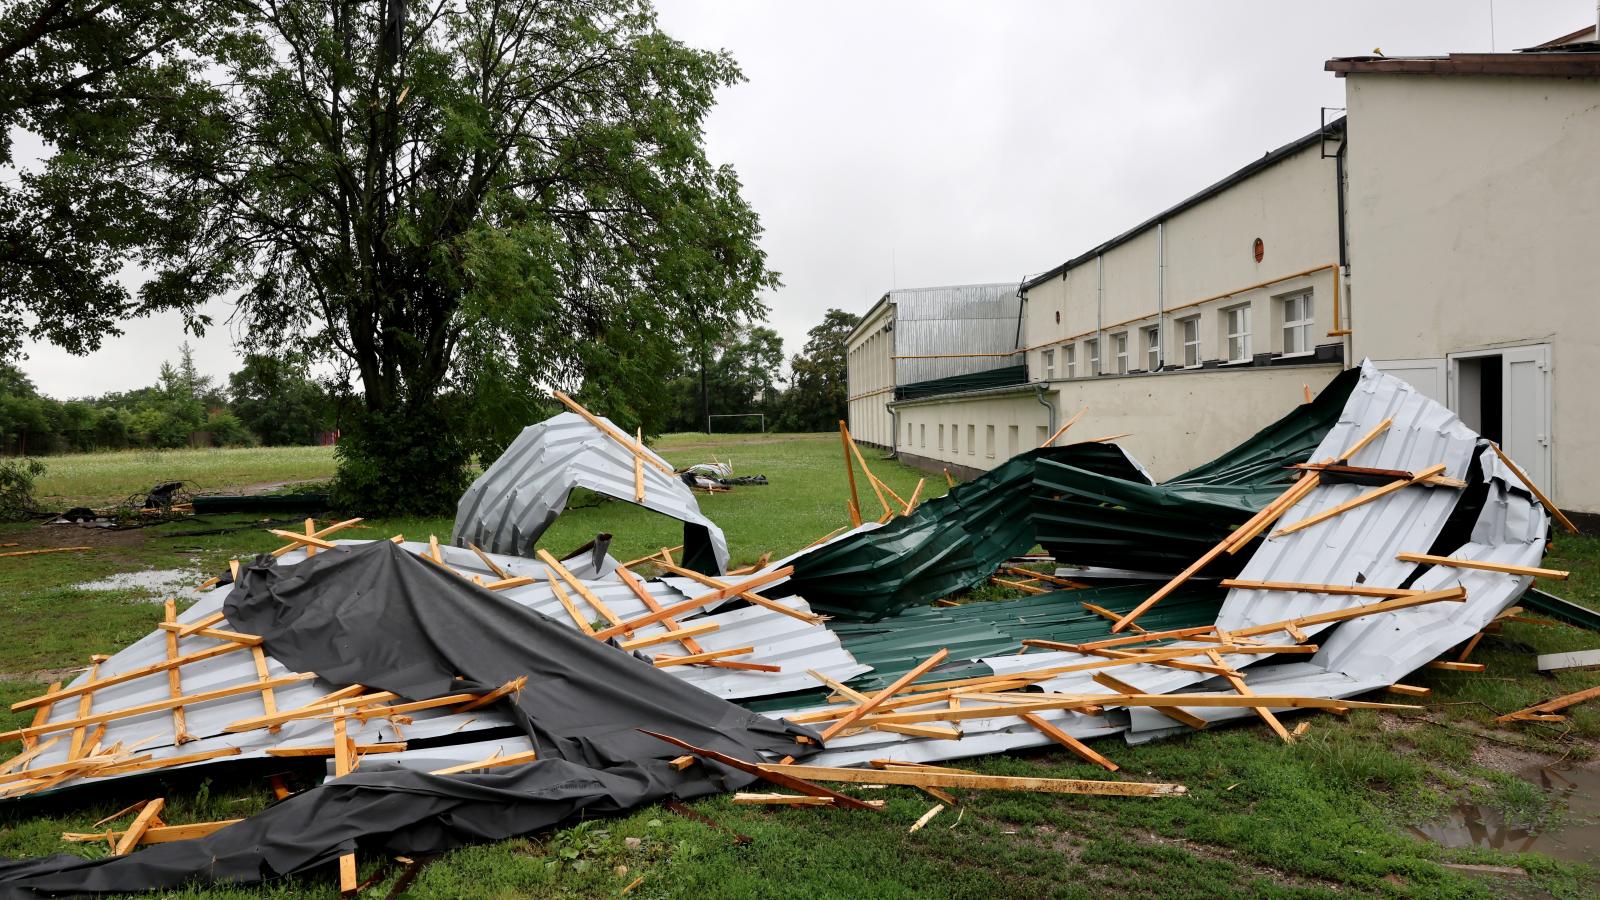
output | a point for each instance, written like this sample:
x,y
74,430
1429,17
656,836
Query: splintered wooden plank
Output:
x,y
155,706
1237,681
638,468
493,762
42,714
1172,712
864,708
332,750
1353,590
320,533
579,587
511,687
342,764
1529,571
763,772
180,730
1549,505
738,589
1068,741
663,662
1360,500
75,749
980,782
668,637
140,825
611,431
1059,431
493,566
567,604
310,541
754,799
744,592
269,702
21,760
681,634
1555,705
164,834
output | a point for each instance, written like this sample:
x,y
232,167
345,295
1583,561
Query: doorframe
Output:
x,y
1453,396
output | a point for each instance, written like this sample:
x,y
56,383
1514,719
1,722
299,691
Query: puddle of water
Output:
x,y
162,582
1575,838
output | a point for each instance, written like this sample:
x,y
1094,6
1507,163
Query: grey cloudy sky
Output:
x,y
918,143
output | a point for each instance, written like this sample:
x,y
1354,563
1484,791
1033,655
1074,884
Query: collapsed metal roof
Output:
x,y
521,493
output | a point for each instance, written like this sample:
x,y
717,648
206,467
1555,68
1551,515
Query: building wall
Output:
x,y
1474,223
1292,206
1178,420
870,375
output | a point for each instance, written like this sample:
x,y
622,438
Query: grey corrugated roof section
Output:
x,y
515,499
1269,159
966,318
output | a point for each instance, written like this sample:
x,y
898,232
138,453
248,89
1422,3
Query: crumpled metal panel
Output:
x,y
1359,545
512,503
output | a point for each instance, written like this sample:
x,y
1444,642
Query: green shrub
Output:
x,y
16,488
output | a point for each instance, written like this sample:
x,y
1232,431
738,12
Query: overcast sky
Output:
x,y
906,144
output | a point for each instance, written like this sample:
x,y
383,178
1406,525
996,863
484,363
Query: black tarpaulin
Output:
x,y
375,615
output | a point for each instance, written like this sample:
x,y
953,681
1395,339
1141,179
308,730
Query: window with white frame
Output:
x,y
1091,350
1237,323
1189,329
1298,316
1152,349
1048,360
1119,346
1070,363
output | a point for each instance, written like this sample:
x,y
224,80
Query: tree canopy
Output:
x,y
818,395
447,200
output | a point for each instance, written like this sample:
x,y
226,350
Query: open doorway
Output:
x,y
1504,394
1480,395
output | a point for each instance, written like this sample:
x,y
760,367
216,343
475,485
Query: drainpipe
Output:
x,y
1161,295
1100,315
1038,394
1343,272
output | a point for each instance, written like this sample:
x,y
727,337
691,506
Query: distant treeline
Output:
x,y
269,401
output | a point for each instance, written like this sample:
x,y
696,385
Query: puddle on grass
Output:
x,y
1575,837
162,583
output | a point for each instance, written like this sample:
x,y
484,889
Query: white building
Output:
x,y
918,335
1448,227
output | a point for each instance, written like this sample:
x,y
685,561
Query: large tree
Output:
x,y
460,198
819,382
101,93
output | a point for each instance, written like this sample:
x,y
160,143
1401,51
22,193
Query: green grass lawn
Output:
x,y
1323,816
94,479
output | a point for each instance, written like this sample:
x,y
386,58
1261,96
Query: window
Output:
x,y
1091,349
941,437
908,434
972,440
1237,322
1152,348
1070,353
1011,442
922,432
1297,318
955,438
1190,330
1119,345
1048,359
988,441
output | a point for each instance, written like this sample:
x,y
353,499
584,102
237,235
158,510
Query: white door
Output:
x,y
1526,417
1426,375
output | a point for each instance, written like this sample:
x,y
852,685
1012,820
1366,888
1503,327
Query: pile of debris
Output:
x,y
485,688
